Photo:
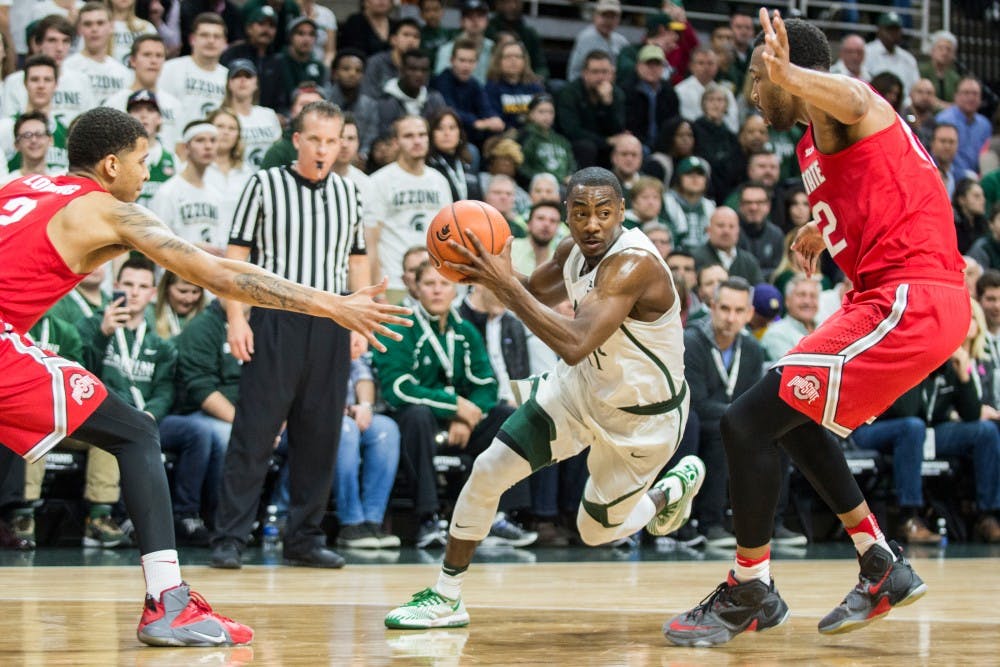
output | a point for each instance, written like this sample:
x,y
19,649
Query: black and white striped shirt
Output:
x,y
300,230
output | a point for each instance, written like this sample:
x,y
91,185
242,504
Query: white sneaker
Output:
x,y
428,609
690,473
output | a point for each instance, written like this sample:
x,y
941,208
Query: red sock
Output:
x,y
867,534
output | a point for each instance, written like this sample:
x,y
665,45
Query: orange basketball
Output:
x,y
453,222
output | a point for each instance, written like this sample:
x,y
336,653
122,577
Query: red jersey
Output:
x,y
33,276
882,208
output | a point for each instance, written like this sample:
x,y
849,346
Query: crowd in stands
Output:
x,y
437,114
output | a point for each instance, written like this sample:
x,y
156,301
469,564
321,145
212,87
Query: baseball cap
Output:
x,y
651,52
608,6
262,13
242,65
470,6
693,163
142,96
299,20
767,300
890,19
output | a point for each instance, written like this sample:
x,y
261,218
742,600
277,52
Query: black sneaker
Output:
x,y
882,584
226,555
356,537
385,540
730,609
191,530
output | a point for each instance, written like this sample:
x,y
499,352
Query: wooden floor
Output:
x,y
580,614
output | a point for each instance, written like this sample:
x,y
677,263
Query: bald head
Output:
x,y
724,228
852,53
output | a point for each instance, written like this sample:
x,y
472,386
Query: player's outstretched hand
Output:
x,y
491,271
807,246
775,47
360,312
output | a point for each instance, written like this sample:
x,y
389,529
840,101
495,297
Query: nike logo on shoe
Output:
x,y
220,638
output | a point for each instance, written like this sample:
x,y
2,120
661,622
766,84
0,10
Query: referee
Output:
x,y
301,221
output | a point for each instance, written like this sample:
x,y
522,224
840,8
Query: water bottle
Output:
x,y
942,526
270,537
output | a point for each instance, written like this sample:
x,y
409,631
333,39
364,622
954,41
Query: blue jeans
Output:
x,y
904,439
366,470
193,441
221,431
979,441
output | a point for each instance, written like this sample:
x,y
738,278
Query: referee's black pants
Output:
x,y
299,372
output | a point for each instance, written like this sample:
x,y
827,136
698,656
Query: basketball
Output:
x,y
453,222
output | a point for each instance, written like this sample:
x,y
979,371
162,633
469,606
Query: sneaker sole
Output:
x,y
453,621
850,625
654,527
91,542
722,637
151,640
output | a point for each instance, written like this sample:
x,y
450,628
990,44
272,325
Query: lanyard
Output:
x,y
446,359
173,322
129,360
730,376
82,303
456,175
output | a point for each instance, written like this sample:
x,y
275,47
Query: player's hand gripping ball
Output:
x,y
453,222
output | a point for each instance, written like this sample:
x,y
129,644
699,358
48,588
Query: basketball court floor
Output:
x,y
577,606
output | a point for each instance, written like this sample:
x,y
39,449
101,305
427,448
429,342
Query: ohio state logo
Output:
x,y
82,387
805,388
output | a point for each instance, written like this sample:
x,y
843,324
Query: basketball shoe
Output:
x,y
883,583
730,609
182,617
428,609
689,473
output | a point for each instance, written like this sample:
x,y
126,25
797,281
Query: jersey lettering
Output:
x,y
828,222
18,207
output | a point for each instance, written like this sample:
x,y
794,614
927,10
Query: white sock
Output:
x,y
748,569
161,570
450,582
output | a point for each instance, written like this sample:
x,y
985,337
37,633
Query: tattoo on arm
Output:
x,y
271,291
150,228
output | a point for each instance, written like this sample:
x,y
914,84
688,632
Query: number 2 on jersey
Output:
x,y
826,218
18,207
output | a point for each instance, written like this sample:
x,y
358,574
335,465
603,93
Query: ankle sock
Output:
x,y
747,569
162,571
450,581
867,534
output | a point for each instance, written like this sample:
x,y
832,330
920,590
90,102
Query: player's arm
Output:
x,y
139,228
546,282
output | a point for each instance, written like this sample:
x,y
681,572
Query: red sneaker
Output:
x,y
182,617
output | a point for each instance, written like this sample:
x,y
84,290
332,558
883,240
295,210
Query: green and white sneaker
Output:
x,y
680,485
428,609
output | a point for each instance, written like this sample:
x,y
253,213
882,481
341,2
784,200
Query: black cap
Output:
x,y
240,66
142,96
470,6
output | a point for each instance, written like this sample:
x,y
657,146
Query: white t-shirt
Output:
x,y
325,20
122,38
106,77
73,96
230,186
192,213
200,92
366,191
170,111
20,16
689,92
41,8
258,130
56,158
403,205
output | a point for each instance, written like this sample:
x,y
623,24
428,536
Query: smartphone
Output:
x,y
119,295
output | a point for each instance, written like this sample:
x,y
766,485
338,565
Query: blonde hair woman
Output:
x,y
177,302
127,26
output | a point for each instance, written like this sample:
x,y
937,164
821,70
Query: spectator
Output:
x,y
591,110
146,60
345,91
408,194
674,142
165,15
198,81
409,94
969,204
721,41
707,279
681,265
922,109
259,45
177,303
646,204
944,150
366,460
404,35
466,96
449,155
231,21
716,143
432,34
852,58
721,361
295,64
502,194
762,165
475,15
543,187
126,26
287,11
509,17
890,87
802,306
412,259
367,30
758,235
282,151
32,141
741,22
326,30
506,339
626,161
884,53
986,250
543,235
686,205
767,307
344,166
454,395
704,68
940,68
661,236
722,247
85,300
974,129
229,171
796,211
259,126
600,36
655,101
674,37
545,150
107,75
144,106
40,76
511,82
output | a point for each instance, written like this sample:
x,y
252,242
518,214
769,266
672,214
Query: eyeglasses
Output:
x,y
28,136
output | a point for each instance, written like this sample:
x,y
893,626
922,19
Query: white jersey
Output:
x,y
192,213
123,36
73,96
366,191
106,77
403,205
199,91
230,186
258,130
170,111
641,363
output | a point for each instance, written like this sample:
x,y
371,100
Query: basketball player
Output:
x,y
53,232
619,389
880,207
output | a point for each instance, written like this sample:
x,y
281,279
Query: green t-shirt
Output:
x,y
162,166
57,158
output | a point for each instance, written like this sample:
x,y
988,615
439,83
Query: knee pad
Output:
x,y
494,471
591,532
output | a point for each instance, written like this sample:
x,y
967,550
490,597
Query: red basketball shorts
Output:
x,y
880,344
43,398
